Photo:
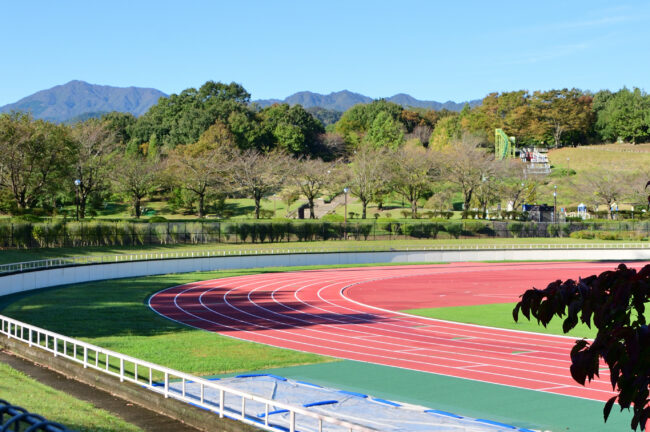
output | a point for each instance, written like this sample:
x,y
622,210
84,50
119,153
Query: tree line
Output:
x,y
200,146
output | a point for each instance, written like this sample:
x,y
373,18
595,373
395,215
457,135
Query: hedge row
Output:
x,y
58,234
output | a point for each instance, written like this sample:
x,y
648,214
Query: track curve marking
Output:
x,y
353,313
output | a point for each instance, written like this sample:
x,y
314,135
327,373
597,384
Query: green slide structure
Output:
x,y
504,146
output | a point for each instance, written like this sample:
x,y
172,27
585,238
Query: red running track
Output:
x,y
351,314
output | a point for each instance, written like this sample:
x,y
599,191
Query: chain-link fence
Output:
x,y
99,233
15,418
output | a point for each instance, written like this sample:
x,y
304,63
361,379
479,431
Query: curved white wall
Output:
x,y
67,275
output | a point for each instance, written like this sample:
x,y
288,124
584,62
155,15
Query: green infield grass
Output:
x,y
114,314
500,315
19,389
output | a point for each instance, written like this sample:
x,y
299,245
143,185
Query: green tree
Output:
x,y
385,132
118,123
291,128
182,118
448,129
356,121
94,142
623,115
36,158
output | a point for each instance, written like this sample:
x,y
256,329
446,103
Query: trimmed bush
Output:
x,y
515,228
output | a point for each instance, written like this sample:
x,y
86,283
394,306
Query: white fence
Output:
x,y
105,259
50,272
157,379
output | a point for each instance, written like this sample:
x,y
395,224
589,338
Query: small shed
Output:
x,y
539,213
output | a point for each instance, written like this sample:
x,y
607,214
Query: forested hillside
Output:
x,y
79,100
195,148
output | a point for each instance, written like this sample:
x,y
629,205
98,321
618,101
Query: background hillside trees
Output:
x,y
623,115
36,158
563,111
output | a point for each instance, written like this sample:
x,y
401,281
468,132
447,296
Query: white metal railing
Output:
x,y
158,378
146,256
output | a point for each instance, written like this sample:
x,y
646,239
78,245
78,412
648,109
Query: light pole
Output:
x,y
345,213
555,203
77,183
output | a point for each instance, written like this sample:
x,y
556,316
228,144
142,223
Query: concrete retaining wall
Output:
x,y
68,275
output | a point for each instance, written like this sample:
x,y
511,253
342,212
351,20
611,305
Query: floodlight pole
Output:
x,y
555,203
345,213
77,183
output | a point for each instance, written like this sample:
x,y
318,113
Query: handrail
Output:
x,y
142,373
20,267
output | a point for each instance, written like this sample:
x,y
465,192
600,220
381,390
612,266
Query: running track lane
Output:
x,y
351,313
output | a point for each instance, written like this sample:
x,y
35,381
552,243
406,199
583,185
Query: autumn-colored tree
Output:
x,y
136,177
366,174
517,187
447,130
202,167
411,173
259,174
311,177
466,164
562,111
606,186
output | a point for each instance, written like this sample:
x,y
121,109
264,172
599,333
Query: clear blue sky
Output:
x,y
435,50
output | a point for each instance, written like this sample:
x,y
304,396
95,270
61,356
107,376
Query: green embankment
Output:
x,y
57,406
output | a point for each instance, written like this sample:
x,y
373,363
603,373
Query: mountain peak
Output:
x,y
344,99
76,98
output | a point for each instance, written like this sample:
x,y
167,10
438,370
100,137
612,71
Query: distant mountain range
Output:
x,y
79,100
343,100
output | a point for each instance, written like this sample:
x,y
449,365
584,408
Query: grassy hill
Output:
x,y
632,160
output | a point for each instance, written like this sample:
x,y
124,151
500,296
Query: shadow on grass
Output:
x,y
120,307
236,209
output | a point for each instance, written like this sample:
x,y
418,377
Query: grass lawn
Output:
x,y
500,315
114,314
21,390
21,255
631,159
